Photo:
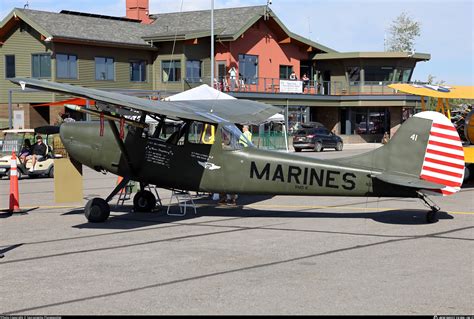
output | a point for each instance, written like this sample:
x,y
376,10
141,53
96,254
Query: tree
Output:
x,y
402,34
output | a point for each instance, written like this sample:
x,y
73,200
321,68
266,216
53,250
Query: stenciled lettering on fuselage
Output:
x,y
303,176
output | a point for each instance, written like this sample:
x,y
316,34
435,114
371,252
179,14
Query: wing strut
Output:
x,y
121,145
120,185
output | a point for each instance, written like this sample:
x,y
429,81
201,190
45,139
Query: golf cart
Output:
x,y
13,141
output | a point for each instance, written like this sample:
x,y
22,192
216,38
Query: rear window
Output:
x,y
305,132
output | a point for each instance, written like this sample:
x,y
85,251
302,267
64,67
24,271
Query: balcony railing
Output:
x,y
275,85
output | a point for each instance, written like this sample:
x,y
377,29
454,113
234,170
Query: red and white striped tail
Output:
x,y
444,157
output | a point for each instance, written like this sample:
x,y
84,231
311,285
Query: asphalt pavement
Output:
x,y
269,255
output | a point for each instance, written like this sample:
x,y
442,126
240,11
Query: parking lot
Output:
x,y
269,255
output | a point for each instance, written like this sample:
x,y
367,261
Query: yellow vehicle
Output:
x,y
443,93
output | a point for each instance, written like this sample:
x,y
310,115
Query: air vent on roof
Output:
x,y
85,14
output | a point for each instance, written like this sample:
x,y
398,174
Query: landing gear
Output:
x,y
432,216
97,210
144,201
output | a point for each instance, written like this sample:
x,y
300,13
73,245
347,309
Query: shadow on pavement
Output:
x,y
123,217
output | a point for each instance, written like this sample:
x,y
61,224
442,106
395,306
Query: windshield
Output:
x,y
233,138
12,142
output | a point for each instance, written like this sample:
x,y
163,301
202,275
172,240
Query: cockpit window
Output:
x,y
201,133
233,139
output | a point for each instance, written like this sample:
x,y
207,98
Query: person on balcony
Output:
x,y
305,80
293,76
233,75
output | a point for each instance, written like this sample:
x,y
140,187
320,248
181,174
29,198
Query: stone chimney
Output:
x,y
138,9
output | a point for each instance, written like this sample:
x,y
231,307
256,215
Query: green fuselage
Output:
x,y
213,168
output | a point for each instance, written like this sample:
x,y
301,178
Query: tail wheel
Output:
x,y
97,210
339,146
144,201
318,147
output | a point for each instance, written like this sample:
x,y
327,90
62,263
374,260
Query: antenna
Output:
x,y
266,16
309,27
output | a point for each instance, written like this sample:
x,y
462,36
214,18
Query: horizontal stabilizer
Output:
x,y
407,181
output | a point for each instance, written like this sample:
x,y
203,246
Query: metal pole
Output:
x,y
10,109
212,43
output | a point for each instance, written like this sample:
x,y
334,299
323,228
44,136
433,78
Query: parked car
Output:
x,y
316,138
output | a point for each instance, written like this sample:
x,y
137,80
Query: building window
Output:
x,y
104,69
66,66
193,71
379,74
370,120
171,70
285,71
41,65
138,71
353,74
10,66
248,68
403,74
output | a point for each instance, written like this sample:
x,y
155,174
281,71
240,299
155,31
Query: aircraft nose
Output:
x,y
75,138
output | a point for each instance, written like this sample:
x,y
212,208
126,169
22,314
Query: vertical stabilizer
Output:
x,y
426,147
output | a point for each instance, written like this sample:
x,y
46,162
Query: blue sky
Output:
x,y
344,25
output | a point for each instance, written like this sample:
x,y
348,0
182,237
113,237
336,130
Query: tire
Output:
x,y
297,149
468,170
339,146
318,147
97,210
144,201
432,217
51,172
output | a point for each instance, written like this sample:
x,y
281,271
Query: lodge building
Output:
x,y
155,55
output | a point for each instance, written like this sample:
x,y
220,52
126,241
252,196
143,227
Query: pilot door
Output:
x,y
176,154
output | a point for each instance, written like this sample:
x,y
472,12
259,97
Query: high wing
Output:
x,y
439,91
211,111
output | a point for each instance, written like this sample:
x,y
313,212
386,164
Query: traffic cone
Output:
x,y
14,195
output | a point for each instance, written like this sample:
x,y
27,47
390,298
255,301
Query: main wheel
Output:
x,y
144,201
339,146
432,217
97,210
318,147
297,149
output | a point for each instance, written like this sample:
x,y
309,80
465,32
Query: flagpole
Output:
x,y
212,43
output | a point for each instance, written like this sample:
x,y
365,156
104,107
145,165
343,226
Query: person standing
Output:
x,y
233,76
246,136
305,80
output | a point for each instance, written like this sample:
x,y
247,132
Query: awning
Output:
x,y
76,101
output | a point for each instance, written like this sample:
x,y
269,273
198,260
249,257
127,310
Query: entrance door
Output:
x,y
326,83
221,74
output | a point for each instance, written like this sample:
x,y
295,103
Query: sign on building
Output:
x,y
291,86
18,119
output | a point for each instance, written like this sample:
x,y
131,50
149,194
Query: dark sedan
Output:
x,y
317,139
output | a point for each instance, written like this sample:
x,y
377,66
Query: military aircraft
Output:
x,y
208,153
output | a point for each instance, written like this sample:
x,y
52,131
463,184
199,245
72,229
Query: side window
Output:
x,y
233,139
324,131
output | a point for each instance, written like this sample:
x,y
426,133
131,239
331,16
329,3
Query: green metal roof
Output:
x,y
77,27
229,24
371,55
